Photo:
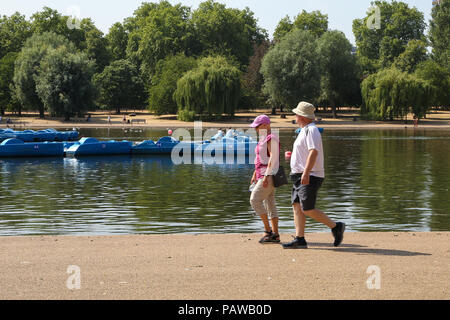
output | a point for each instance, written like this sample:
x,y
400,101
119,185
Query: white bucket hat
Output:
x,y
306,110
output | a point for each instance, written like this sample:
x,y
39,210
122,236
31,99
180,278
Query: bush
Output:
x,y
186,115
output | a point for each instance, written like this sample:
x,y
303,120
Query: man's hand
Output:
x,y
305,178
309,165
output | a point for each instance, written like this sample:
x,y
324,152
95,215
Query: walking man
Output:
x,y
307,173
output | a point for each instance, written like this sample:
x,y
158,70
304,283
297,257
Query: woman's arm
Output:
x,y
273,165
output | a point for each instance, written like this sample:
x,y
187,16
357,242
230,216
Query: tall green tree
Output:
x,y
212,89
283,28
27,66
227,31
50,20
158,30
438,78
314,21
63,82
119,86
14,30
164,83
291,69
252,80
414,54
6,78
97,49
82,33
339,78
378,47
117,38
440,32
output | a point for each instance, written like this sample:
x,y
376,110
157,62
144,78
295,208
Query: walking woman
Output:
x,y
266,164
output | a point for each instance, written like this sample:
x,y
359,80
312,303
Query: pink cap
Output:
x,y
260,120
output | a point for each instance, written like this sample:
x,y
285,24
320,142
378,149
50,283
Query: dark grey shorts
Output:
x,y
305,195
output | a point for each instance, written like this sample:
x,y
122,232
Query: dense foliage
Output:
x,y
402,78
392,93
119,85
165,54
164,83
27,67
440,33
63,82
291,69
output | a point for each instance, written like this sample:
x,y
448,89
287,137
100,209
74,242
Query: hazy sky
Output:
x,y
105,13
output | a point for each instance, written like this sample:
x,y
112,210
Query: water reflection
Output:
x,y
376,180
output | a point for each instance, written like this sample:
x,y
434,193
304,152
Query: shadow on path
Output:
x,y
354,248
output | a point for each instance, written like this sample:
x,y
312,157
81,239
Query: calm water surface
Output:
x,y
380,180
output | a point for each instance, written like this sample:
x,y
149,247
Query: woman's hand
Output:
x,y
253,178
266,182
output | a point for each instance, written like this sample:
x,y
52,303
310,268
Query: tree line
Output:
x,y
212,61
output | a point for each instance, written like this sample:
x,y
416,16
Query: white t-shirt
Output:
x,y
308,139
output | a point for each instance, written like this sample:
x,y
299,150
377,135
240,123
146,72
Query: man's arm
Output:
x,y
312,157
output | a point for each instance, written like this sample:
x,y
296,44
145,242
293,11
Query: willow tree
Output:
x,y
212,89
391,93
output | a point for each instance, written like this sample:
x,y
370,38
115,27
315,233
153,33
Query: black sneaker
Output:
x,y
338,233
298,243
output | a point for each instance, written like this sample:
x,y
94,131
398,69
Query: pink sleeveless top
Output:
x,y
262,157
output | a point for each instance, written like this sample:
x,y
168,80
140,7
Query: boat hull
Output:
x,y
11,148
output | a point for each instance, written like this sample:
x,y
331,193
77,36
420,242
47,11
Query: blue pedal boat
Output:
x,y
18,148
242,145
94,147
45,135
36,136
300,130
164,145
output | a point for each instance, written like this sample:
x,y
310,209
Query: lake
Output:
x,y
377,180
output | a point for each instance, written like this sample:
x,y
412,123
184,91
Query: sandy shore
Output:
x,y
224,267
435,120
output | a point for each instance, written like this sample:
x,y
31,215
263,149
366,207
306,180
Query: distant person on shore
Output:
x,y
266,164
307,173
109,118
